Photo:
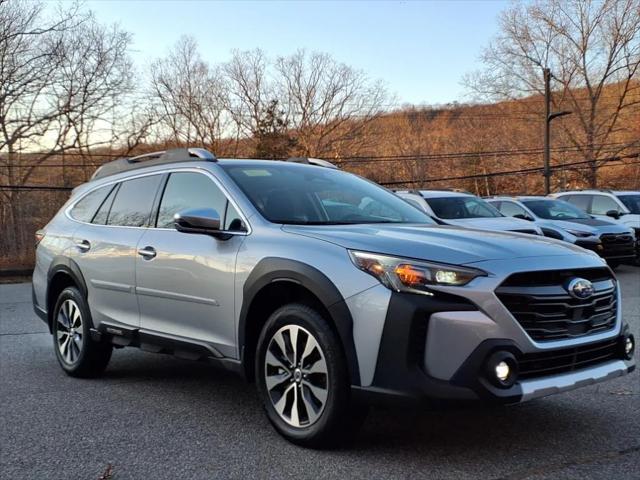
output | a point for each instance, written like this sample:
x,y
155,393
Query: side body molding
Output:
x,y
274,269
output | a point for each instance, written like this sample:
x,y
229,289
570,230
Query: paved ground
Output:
x,y
154,416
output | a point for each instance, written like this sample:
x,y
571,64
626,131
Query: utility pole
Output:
x,y
547,127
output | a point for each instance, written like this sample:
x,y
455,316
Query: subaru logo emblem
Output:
x,y
580,288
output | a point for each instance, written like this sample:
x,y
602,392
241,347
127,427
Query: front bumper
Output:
x,y
437,347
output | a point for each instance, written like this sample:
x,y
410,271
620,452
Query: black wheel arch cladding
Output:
x,y
276,269
66,266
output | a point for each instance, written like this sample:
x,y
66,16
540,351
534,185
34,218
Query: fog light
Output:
x,y
503,371
629,347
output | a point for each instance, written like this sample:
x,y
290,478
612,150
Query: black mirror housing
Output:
x,y
613,214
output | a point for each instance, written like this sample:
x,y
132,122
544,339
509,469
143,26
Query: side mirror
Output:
x,y
613,214
522,216
200,220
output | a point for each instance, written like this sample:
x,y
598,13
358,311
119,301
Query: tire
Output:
x,y
307,399
77,353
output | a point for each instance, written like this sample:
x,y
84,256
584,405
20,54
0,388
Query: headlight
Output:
x,y
580,234
407,275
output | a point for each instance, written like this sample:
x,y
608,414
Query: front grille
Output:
x,y
617,245
545,310
554,362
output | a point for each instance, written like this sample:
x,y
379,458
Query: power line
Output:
x,y
355,158
583,164
520,171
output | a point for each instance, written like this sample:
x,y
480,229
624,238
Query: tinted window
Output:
x,y
100,217
632,202
462,207
85,209
299,194
186,190
602,204
580,201
555,210
133,202
511,209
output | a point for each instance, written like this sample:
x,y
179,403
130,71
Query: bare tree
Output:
x,y
593,51
249,90
190,95
329,104
63,80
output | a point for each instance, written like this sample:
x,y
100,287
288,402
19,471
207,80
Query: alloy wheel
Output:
x,y
296,376
69,331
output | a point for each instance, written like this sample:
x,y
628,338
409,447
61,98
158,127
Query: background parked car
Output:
x,y
620,205
564,221
453,207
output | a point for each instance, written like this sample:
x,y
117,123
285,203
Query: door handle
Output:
x,y
83,245
147,252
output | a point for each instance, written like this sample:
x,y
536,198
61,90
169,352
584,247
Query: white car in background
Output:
x,y
622,206
454,207
561,220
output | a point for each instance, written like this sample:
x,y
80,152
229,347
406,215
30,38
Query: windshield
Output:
x,y
555,210
462,207
632,202
302,195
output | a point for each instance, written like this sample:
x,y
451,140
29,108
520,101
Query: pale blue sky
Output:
x,y
420,50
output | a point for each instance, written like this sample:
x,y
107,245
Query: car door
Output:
x,y
106,250
185,282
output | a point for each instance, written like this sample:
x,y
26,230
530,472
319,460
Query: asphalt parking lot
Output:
x,y
154,416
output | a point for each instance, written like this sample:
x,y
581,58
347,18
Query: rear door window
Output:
x,y
85,209
134,201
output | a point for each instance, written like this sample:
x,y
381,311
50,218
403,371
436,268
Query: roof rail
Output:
x,y
606,190
312,161
154,158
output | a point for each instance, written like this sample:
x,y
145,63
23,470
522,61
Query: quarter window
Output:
x,y
133,203
85,209
187,190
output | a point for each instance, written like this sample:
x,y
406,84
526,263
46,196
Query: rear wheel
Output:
x,y
303,380
78,354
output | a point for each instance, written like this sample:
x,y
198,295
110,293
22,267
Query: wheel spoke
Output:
x,y
313,410
319,392
61,334
309,347
282,402
295,417
293,337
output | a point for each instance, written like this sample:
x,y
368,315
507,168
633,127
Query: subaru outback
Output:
x,y
327,290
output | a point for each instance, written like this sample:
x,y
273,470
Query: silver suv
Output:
x,y
325,289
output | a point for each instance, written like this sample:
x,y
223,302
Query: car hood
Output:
x,y
497,223
590,225
437,243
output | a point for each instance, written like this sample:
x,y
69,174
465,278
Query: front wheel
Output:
x,y
78,354
303,380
